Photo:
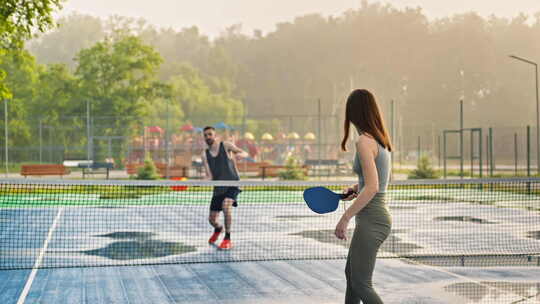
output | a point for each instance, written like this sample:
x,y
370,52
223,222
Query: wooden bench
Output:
x,y
328,166
251,167
132,168
174,170
44,169
273,170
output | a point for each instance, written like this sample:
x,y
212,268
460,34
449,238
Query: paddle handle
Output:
x,y
345,195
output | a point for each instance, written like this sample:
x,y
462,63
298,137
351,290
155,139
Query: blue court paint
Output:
x,y
328,273
268,282
184,285
38,287
140,287
105,286
264,281
11,284
224,283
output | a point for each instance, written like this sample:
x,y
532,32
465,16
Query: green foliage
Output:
x,y
72,34
310,58
5,93
199,103
20,19
281,72
148,171
118,77
424,170
54,105
22,82
293,170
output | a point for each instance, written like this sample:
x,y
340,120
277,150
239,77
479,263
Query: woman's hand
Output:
x,y
341,228
353,195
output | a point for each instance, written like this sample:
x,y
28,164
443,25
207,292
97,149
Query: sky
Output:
x,y
213,16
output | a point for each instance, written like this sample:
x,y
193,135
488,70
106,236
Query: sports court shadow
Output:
x,y
295,217
533,235
463,219
493,291
392,244
138,245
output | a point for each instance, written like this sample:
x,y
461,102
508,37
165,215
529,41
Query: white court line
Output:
x,y
32,276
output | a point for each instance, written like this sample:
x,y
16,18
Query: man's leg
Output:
x,y
227,213
213,219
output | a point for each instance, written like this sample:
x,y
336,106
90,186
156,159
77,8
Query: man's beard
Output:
x,y
210,141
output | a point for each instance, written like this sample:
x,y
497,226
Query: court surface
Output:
x,y
295,282
283,253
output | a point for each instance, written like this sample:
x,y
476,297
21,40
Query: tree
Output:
x,y
424,170
117,77
22,81
199,103
18,20
73,33
55,107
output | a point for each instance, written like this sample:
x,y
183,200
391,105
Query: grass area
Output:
x,y
14,167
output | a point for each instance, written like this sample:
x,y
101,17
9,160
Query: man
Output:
x,y
219,162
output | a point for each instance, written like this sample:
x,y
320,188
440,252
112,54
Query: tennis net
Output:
x,y
53,223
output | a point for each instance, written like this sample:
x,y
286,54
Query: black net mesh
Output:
x,y
99,223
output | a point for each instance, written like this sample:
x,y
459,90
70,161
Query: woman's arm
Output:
x,y
367,150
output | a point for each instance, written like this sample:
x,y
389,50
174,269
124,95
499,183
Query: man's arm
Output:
x,y
206,167
234,149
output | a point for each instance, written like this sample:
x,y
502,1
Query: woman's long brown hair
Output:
x,y
362,111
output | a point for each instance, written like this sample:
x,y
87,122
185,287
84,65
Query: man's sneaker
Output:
x,y
214,237
225,245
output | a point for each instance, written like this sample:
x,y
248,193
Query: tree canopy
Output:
x,y
19,20
125,67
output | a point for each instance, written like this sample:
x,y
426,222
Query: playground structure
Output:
x,y
181,152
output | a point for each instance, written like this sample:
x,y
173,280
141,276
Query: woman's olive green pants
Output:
x,y
373,225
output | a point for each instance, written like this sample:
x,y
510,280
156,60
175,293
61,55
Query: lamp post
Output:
x,y
537,109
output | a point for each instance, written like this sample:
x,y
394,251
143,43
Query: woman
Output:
x,y
373,221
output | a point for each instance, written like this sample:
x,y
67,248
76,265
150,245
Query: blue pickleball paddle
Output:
x,y
323,200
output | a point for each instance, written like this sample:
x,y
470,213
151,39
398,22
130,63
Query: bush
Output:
x,y
293,170
424,170
148,171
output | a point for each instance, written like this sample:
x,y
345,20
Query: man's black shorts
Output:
x,y
217,199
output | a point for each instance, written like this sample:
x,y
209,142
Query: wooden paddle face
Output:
x,y
321,200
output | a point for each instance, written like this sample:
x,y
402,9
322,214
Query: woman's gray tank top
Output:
x,y
382,162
